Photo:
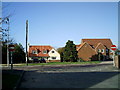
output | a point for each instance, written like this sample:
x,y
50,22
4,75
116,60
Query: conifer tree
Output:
x,y
70,52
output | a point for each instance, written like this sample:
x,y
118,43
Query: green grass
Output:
x,y
9,80
64,63
58,63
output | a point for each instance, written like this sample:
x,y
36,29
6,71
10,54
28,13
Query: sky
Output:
x,y
54,23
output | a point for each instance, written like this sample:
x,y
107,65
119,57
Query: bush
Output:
x,y
80,60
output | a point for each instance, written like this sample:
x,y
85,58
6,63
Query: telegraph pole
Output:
x,y
8,42
27,42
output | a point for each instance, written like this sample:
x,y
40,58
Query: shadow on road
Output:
x,y
11,78
34,79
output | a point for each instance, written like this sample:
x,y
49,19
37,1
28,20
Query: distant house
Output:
x,y
46,52
90,48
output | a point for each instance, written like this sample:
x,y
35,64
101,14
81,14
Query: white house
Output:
x,y
54,55
46,52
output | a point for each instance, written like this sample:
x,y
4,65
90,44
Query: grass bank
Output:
x,y
64,63
58,63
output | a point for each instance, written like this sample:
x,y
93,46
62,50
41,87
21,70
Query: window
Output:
x,y
34,52
53,57
99,50
102,50
44,52
53,52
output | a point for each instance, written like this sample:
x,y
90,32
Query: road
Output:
x,y
79,76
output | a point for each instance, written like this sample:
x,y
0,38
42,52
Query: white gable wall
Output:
x,y
54,55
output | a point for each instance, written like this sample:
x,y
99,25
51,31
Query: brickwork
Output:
x,y
88,49
102,48
86,52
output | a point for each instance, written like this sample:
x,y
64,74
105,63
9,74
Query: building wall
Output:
x,y
55,54
86,52
101,47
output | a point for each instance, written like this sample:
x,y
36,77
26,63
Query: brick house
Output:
x,y
46,52
90,48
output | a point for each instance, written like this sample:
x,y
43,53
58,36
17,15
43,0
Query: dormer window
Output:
x,y
34,52
44,51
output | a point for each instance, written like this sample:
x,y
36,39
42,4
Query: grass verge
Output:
x,y
64,63
58,63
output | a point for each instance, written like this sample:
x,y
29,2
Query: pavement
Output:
x,y
102,75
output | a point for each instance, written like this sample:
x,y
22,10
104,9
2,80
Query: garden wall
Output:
x,y
117,61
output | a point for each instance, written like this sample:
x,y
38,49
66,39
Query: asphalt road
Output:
x,y
83,76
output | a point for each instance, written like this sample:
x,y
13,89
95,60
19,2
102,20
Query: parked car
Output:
x,y
42,60
36,60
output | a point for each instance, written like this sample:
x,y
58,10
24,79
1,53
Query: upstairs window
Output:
x,y
99,50
102,51
53,51
44,52
34,52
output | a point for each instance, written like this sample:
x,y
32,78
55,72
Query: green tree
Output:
x,y
4,50
4,54
61,51
70,52
18,54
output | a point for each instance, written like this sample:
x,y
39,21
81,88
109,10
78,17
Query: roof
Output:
x,y
83,45
94,42
77,46
40,49
99,45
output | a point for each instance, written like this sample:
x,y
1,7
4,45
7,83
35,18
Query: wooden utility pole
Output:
x,y
8,42
27,42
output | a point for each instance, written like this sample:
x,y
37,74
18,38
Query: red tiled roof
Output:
x,y
77,46
83,45
40,49
94,42
98,45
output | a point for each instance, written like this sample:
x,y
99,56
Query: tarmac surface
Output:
x,y
102,75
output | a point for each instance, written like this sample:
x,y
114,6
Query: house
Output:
x,y
46,52
92,49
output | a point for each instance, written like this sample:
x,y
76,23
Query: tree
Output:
x,y
4,54
4,50
61,51
18,54
70,52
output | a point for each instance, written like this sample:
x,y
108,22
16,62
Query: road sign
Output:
x,y
113,47
11,47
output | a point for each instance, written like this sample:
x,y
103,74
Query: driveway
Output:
x,y
84,76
